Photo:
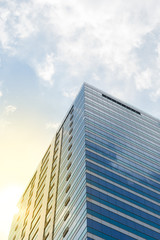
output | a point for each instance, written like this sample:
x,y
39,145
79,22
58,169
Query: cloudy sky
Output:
x,y
48,48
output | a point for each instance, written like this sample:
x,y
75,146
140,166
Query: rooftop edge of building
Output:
x,y
122,102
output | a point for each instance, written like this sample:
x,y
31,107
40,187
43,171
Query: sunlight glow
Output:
x,y
9,197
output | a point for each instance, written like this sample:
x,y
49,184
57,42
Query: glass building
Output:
x,y
99,178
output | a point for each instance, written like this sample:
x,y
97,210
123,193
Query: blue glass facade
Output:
x,y
100,177
122,170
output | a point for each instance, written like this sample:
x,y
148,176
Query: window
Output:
x,y
70,138
48,210
57,135
70,131
39,194
69,156
65,232
68,187
38,202
69,147
46,155
71,118
66,216
25,222
35,224
69,165
72,109
55,151
35,214
56,143
70,125
35,235
42,174
16,227
47,226
23,235
67,201
52,183
43,170
68,176
47,237
53,175
51,192
41,182
49,199
53,167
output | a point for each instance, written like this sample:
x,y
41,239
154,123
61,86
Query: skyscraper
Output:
x,y
99,178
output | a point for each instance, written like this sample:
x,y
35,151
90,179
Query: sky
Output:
x,y
48,48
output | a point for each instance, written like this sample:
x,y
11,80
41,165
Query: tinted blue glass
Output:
x,y
105,232
117,130
129,173
125,161
120,221
108,187
123,207
124,182
140,155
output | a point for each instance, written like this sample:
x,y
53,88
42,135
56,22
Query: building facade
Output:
x,y
99,178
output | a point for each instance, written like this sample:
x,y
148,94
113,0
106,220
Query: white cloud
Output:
x,y
4,35
10,109
96,77
106,30
70,92
52,125
45,70
26,26
118,94
154,95
1,94
158,56
104,34
144,80
86,36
